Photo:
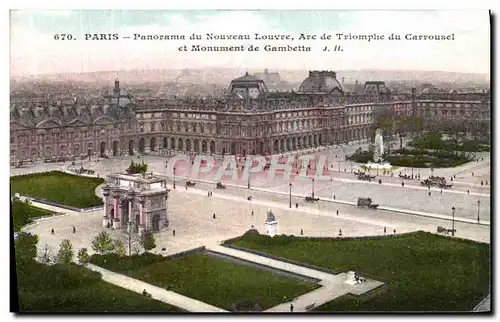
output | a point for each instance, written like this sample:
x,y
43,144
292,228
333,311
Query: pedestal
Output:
x,y
350,280
272,228
105,221
117,224
141,230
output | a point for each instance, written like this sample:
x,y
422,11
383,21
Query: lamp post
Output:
x,y
412,167
478,205
453,221
174,177
290,195
313,188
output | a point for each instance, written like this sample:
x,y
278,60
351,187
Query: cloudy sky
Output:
x,y
34,50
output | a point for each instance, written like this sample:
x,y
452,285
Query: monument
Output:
x,y
135,202
378,152
271,224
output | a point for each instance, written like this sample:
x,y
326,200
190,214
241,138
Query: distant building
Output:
x,y
269,78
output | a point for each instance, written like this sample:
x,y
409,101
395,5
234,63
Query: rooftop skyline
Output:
x,y
34,50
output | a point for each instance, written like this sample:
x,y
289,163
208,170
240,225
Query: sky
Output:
x,y
34,51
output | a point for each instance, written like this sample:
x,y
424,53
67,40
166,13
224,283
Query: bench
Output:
x,y
310,306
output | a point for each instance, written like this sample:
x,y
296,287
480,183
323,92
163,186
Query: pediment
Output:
x,y
76,123
103,121
48,124
14,126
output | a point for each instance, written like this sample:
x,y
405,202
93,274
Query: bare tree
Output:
x,y
132,240
47,255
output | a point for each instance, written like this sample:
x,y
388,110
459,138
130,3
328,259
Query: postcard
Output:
x,y
250,161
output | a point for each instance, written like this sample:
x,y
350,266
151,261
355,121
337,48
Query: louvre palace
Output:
x,y
249,119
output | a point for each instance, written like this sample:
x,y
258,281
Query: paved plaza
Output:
x,y
191,213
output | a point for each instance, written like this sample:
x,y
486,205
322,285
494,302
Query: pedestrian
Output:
x,y
429,193
402,184
394,230
52,231
173,232
337,212
385,230
441,191
333,197
74,229
482,182
301,232
472,173
340,232
297,205
481,159
214,215
486,182
468,191
252,212
291,307
208,194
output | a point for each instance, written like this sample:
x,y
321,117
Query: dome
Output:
x,y
320,82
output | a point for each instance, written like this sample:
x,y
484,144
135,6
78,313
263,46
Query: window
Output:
x,y
152,127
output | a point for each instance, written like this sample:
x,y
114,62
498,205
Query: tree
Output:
x,y
148,241
102,243
83,256
120,248
131,239
65,253
25,246
47,254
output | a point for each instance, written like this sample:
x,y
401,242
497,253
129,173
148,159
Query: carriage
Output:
x,y
219,185
190,183
366,202
311,199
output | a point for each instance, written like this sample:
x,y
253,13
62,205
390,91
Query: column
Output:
x,y
105,219
117,219
142,226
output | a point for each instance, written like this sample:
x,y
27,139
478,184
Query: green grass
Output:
x,y
208,279
23,212
71,288
424,271
59,187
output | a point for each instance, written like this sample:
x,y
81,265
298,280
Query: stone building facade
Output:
x,y
135,202
249,120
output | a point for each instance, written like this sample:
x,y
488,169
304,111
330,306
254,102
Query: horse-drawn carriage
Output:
x,y
311,199
436,181
446,231
366,202
365,177
219,185
190,183
405,177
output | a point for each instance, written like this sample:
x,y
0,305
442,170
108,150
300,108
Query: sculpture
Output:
x,y
378,146
270,216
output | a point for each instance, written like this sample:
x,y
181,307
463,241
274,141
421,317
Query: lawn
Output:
x,y
214,281
23,212
424,271
59,187
72,288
